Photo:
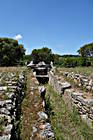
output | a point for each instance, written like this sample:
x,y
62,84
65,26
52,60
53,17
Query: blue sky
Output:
x,y
62,25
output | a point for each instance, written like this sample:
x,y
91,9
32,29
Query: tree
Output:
x,y
43,54
11,53
86,50
27,58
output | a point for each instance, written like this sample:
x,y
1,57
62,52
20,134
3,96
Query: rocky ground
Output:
x,y
70,108
81,80
79,94
25,113
22,119
35,125
12,90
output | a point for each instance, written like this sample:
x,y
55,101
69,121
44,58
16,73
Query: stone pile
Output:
x,y
46,130
41,128
58,84
80,80
83,104
82,101
12,91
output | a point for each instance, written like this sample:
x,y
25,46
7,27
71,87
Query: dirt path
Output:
x,y
32,104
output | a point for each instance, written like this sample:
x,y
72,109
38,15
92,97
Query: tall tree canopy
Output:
x,y
86,50
11,53
43,54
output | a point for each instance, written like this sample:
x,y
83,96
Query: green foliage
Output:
x,y
81,61
86,50
43,54
91,60
73,61
27,58
74,116
70,62
58,61
86,58
11,53
1,129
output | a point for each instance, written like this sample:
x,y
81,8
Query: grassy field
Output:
x,y
88,71
12,69
66,125
9,69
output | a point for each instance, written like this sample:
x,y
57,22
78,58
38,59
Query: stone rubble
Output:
x,y
12,91
35,117
42,115
77,99
47,131
42,91
57,84
80,80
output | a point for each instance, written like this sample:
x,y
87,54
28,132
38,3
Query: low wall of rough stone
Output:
x,y
73,98
83,105
57,83
12,90
80,80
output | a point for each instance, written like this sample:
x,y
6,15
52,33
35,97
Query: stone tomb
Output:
x,y
41,72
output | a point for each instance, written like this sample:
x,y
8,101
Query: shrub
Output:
x,y
11,53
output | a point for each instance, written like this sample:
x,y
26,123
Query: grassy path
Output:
x,y
31,105
67,125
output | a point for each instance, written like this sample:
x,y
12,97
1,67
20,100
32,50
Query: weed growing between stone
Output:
x,y
65,123
80,78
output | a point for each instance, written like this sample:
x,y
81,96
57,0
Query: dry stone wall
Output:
x,y
80,80
12,91
58,84
83,104
77,99
41,128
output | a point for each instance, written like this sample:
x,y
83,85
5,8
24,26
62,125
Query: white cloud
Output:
x,y
18,37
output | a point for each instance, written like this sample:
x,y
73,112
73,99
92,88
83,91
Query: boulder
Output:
x,y
47,132
42,91
75,94
65,85
5,137
4,111
42,115
89,101
3,88
8,129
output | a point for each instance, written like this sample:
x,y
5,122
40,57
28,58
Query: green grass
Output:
x,y
2,124
1,129
66,124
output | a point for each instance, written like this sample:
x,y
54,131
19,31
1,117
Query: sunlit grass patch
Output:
x,y
66,123
88,71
